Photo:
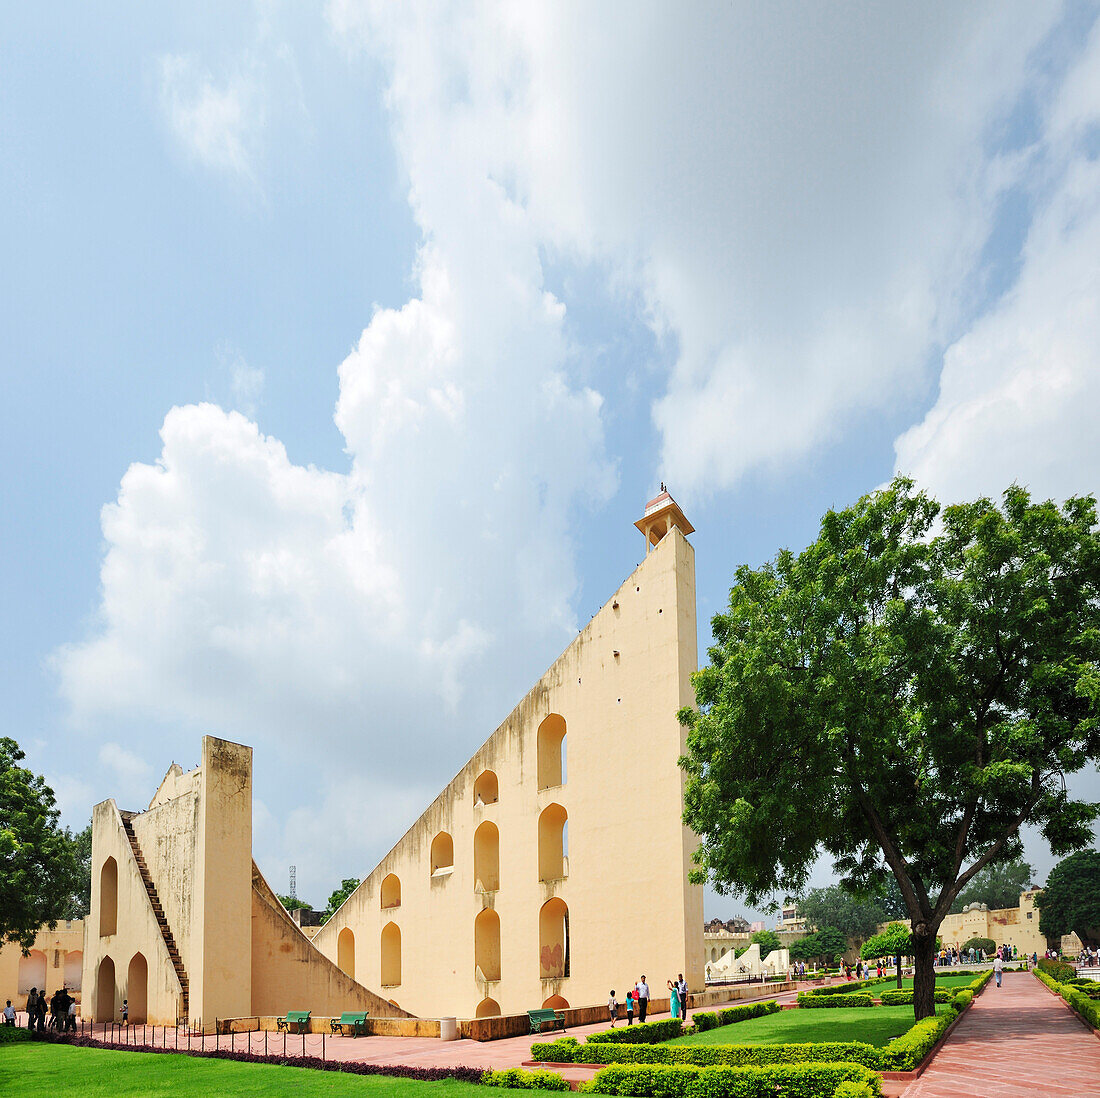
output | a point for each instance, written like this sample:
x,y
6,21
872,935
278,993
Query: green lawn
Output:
x,y
105,1073
874,1025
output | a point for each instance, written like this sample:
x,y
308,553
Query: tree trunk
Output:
x,y
899,971
924,971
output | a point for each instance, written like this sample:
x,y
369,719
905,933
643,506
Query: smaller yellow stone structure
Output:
x,y
1015,926
55,961
182,923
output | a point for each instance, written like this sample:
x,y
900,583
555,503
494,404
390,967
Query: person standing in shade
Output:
x,y
40,1007
643,998
998,966
9,1014
71,1015
32,1007
125,1013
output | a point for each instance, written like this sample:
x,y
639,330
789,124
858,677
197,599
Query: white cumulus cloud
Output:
x,y
1020,390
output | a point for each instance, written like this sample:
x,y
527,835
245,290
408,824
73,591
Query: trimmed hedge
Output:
x,y
1086,1007
851,1089
1058,971
904,1053
903,997
12,1034
792,1081
712,1019
567,1051
818,1002
647,1033
848,987
525,1080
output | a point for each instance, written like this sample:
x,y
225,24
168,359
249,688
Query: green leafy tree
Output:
x,y
81,900
821,945
1071,899
833,906
986,945
895,941
38,873
347,886
901,701
997,886
767,940
292,903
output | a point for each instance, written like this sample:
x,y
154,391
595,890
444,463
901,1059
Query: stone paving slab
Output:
x,y
1017,1041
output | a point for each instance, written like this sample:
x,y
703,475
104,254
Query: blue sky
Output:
x,y
344,343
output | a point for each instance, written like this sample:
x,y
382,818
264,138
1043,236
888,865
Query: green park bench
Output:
x,y
555,1019
356,1021
296,1021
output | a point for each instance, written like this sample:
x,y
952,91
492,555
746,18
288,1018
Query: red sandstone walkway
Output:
x,y
1018,1041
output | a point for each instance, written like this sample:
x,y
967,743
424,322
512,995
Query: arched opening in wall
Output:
x,y
32,971
443,855
137,989
550,748
391,955
714,954
556,1002
725,950
487,945
486,858
487,1008
552,861
345,951
391,890
74,969
105,991
486,788
108,897
554,939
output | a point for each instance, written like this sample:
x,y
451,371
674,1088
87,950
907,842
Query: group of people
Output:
x,y
61,1007
637,999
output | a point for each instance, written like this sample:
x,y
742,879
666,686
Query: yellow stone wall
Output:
x,y
55,960
631,910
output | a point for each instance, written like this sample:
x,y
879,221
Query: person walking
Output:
x,y
642,992
630,1007
125,1013
40,1007
613,1007
70,1016
998,967
32,1007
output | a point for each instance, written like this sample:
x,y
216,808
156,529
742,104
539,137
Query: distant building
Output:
x,y
55,961
1015,926
790,919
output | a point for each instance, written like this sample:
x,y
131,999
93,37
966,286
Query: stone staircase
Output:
x,y
158,910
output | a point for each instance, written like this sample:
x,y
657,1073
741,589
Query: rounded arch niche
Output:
x,y
32,972
105,991
443,854
486,858
345,951
556,1002
552,853
108,897
137,989
554,939
391,890
486,788
487,1008
550,750
391,955
487,945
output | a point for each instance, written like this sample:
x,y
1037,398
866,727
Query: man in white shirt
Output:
x,y
998,965
9,1014
643,998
